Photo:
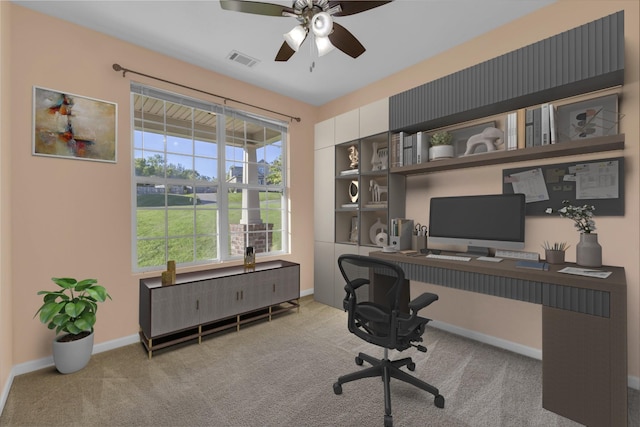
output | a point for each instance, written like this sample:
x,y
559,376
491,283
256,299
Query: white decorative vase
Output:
x,y
589,251
440,152
71,356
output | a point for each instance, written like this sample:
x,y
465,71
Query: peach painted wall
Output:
x,y
73,217
619,236
6,320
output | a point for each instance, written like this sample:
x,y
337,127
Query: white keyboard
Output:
x,y
449,257
489,258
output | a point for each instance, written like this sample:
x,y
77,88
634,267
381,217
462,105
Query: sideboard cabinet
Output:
x,y
205,302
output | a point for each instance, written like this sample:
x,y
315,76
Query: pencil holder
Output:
x,y
554,256
418,242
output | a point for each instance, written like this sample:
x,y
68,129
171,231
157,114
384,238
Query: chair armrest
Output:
x,y
352,286
422,301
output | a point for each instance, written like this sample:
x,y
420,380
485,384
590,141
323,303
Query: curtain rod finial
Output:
x,y
117,67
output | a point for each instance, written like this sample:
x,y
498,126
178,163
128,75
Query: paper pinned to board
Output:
x,y
597,180
531,184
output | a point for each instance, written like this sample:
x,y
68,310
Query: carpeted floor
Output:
x,y
280,373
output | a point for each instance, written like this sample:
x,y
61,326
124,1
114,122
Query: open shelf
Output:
x,y
570,148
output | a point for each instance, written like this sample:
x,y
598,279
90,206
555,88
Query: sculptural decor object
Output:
x,y
353,157
487,137
379,193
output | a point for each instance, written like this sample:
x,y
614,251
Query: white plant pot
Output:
x,y
440,152
72,356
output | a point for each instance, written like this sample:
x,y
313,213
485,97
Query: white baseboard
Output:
x,y
5,391
306,293
488,339
534,353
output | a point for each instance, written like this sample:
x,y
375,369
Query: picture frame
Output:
x,y
461,136
588,119
71,126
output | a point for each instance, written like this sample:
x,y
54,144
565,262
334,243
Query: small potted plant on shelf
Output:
x,y
554,253
72,309
441,146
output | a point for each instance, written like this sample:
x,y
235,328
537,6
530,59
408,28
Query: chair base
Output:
x,y
387,369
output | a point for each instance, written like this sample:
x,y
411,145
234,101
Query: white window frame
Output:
x,y
223,187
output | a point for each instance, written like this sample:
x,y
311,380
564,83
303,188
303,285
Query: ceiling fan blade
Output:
x,y
285,52
353,7
345,41
255,7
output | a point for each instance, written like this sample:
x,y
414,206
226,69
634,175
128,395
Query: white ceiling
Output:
x,y
396,36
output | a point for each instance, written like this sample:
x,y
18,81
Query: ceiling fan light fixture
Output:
x,y
321,24
324,45
295,37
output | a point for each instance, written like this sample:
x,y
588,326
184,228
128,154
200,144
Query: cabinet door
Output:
x,y
324,135
374,117
323,194
173,308
226,296
286,286
258,289
323,277
347,126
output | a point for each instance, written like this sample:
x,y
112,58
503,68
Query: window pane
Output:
x,y
179,166
180,222
206,222
179,145
149,163
181,249
206,248
206,149
206,169
150,223
151,253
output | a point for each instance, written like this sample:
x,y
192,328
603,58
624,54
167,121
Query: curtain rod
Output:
x,y
117,67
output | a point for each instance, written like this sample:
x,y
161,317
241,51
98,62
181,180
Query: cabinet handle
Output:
x,y
197,304
237,295
241,294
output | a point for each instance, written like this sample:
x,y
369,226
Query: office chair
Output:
x,y
383,323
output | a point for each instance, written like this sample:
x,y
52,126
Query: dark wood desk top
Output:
x,y
507,268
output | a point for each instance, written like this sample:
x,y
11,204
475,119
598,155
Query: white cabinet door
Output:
x,y
324,134
347,126
374,118
323,195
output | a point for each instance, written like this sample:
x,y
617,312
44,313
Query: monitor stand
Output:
x,y
475,251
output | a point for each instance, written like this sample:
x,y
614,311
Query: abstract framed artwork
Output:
x,y
588,119
73,126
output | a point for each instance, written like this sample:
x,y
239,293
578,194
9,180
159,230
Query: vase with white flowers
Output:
x,y
588,250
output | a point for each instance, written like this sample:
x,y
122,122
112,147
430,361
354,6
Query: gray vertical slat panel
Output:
x,y
586,52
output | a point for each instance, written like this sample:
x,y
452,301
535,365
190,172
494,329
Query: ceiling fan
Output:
x,y
315,17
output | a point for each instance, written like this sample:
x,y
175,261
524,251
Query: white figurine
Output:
x,y
488,137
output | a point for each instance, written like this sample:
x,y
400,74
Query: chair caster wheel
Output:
x,y
337,388
388,421
438,401
359,361
411,366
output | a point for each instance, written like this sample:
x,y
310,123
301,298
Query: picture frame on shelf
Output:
x,y
462,135
588,119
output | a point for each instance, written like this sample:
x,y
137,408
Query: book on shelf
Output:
x,y
349,172
511,135
376,205
520,121
349,205
545,132
422,148
553,129
528,127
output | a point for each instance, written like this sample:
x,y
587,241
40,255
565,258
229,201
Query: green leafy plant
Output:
x,y
582,216
441,138
72,309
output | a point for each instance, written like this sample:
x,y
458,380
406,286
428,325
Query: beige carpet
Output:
x,y
280,373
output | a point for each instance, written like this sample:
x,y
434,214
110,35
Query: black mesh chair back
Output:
x,y
373,289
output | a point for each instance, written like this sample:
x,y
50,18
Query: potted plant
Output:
x,y
441,145
588,250
72,310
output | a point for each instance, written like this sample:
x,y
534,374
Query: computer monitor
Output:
x,y
479,222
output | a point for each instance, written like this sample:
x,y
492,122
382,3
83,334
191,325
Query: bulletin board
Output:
x,y
595,182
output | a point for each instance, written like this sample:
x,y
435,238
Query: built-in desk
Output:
x,y
584,328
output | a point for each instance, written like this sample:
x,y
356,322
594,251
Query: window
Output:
x,y
208,181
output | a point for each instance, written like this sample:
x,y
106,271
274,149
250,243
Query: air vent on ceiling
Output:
x,y
243,59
